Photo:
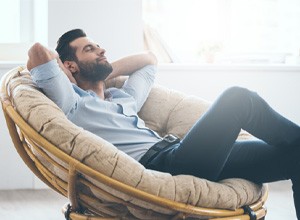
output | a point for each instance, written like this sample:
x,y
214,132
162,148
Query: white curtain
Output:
x,y
154,42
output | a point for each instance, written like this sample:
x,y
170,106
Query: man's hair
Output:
x,y
63,48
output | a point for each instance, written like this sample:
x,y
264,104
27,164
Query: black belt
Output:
x,y
167,141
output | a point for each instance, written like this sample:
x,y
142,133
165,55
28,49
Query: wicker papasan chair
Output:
x,y
102,182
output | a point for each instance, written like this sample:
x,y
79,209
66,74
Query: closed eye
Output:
x,y
88,48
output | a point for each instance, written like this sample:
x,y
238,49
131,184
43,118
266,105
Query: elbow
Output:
x,y
38,54
152,58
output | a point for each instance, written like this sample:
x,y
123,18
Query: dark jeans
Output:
x,y
210,149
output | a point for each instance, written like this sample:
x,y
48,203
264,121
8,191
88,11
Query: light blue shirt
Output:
x,y
114,119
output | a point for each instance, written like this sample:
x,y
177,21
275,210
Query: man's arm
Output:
x,y
45,70
38,54
130,64
139,84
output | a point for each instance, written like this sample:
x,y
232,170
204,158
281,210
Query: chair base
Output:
x,y
72,215
248,215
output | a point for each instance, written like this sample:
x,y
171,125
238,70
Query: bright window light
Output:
x,y
22,22
10,21
226,31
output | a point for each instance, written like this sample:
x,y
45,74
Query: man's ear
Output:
x,y
67,71
72,66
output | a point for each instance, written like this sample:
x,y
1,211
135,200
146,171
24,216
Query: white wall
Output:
x,y
115,24
12,169
278,84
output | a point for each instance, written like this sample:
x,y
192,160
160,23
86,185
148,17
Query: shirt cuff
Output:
x,y
152,68
45,71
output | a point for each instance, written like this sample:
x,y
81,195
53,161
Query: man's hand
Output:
x,y
130,64
38,55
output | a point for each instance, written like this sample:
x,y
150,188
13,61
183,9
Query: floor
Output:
x,y
46,204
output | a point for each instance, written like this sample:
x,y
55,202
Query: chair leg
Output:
x,y
67,209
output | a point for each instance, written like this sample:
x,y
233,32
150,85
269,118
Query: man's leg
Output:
x,y
259,162
206,148
210,149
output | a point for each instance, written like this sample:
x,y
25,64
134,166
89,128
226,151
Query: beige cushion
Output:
x,y
165,111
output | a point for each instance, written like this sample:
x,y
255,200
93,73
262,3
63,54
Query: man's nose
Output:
x,y
101,51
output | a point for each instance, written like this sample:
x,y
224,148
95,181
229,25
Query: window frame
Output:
x,y
31,30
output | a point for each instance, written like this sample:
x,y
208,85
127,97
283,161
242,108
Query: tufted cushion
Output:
x,y
174,117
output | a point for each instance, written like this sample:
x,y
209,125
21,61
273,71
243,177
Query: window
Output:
x,y
226,31
22,22
9,11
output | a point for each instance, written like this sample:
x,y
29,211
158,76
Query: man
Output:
x,y
112,114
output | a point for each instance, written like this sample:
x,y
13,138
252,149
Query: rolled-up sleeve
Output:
x,y
140,83
55,84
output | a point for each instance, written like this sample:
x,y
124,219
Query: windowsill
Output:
x,y
11,64
202,67
231,67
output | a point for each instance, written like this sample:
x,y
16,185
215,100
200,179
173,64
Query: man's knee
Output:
x,y
235,97
236,92
38,54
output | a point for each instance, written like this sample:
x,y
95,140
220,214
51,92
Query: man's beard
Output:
x,y
94,71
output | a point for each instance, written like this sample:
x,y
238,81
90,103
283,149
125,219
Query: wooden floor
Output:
x,y
31,205
46,204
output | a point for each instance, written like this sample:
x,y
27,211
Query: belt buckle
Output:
x,y
170,138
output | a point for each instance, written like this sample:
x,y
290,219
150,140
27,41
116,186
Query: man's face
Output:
x,y
92,64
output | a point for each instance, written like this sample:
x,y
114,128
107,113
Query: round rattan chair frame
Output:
x,y
25,138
